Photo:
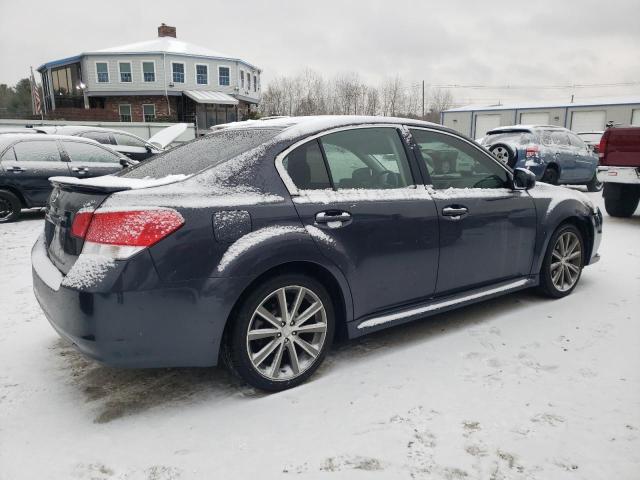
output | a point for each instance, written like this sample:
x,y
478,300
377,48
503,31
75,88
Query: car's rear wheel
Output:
x,y
594,184
563,262
9,206
281,332
620,200
551,175
504,153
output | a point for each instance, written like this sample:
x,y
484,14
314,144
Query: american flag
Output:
x,y
36,101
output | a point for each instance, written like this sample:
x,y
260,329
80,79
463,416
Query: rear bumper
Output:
x,y
169,326
629,175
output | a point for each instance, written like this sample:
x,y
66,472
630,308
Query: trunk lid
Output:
x,y
166,136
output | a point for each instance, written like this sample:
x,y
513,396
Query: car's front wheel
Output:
x,y
281,333
9,206
563,262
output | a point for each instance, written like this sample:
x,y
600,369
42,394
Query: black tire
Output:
x,y
9,206
235,352
547,286
504,153
594,184
620,200
551,175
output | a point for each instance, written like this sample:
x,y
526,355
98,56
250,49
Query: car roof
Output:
x,y
525,128
75,129
296,127
11,138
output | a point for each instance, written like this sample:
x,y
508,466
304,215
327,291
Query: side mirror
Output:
x,y
127,162
523,179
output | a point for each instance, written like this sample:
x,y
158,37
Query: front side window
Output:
x,y
560,138
129,140
102,72
100,137
306,167
178,72
125,72
367,158
223,76
149,112
85,152
577,141
37,151
125,113
202,74
149,71
454,163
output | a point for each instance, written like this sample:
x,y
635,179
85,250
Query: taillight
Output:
x,y
119,234
603,145
532,151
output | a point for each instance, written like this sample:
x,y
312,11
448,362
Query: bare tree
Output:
x,y
439,101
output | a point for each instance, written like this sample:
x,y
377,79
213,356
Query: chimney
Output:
x,y
165,30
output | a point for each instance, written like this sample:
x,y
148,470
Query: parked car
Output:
x,y
592,139
257,244
14,130
126,143
620,170
554,154
27,161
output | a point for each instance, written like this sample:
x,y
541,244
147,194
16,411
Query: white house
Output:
x,y
163,79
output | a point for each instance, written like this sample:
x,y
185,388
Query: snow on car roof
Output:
x,y
523,128
10,138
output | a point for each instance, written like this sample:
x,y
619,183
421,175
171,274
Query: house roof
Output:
x,y
168,45
547,104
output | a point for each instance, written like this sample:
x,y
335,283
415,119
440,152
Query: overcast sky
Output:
x,y
445,42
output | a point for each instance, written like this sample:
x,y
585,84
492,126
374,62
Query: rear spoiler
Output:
x,y
111,183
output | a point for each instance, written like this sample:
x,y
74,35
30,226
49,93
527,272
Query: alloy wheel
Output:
x,y
502,154
286,333
566,261
6,209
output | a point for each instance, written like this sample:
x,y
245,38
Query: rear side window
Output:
x,y
9,156
202,153
560,138
367,158
306,167
100,137
85,152
576,141
37,151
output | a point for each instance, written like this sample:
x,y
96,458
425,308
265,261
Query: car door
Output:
x,y
87,159
487,230
31,165
566,156
131,146
586,159
356,188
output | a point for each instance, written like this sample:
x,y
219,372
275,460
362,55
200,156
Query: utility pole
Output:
x,y
423,99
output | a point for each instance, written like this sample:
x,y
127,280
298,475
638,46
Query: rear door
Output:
x,y
565,155
586,160
31,165
355,189
487,230
89,160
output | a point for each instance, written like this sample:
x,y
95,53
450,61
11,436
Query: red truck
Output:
x,y
619,169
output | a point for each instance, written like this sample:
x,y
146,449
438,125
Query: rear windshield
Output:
x,y
515,138
202,153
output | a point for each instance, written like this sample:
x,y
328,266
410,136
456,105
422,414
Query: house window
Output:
x,y
125,113
178,72
149,112
125,72
248,82
102,71
255,83
241,79
202,74
149,71
223,76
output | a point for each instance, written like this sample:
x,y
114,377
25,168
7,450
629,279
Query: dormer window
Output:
x,y
149,71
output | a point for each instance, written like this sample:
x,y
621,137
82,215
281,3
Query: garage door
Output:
x,y
484,123
635,117
539,118
592,121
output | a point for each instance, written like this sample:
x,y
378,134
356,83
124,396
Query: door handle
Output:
x,y
333,219
80,169
455,212
15,169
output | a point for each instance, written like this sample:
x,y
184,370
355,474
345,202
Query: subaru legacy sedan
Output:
x,y
259,243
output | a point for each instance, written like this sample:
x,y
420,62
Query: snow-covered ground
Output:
x,y
515,388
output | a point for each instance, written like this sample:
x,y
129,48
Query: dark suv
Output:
x,y
556,155
27,161
257,243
